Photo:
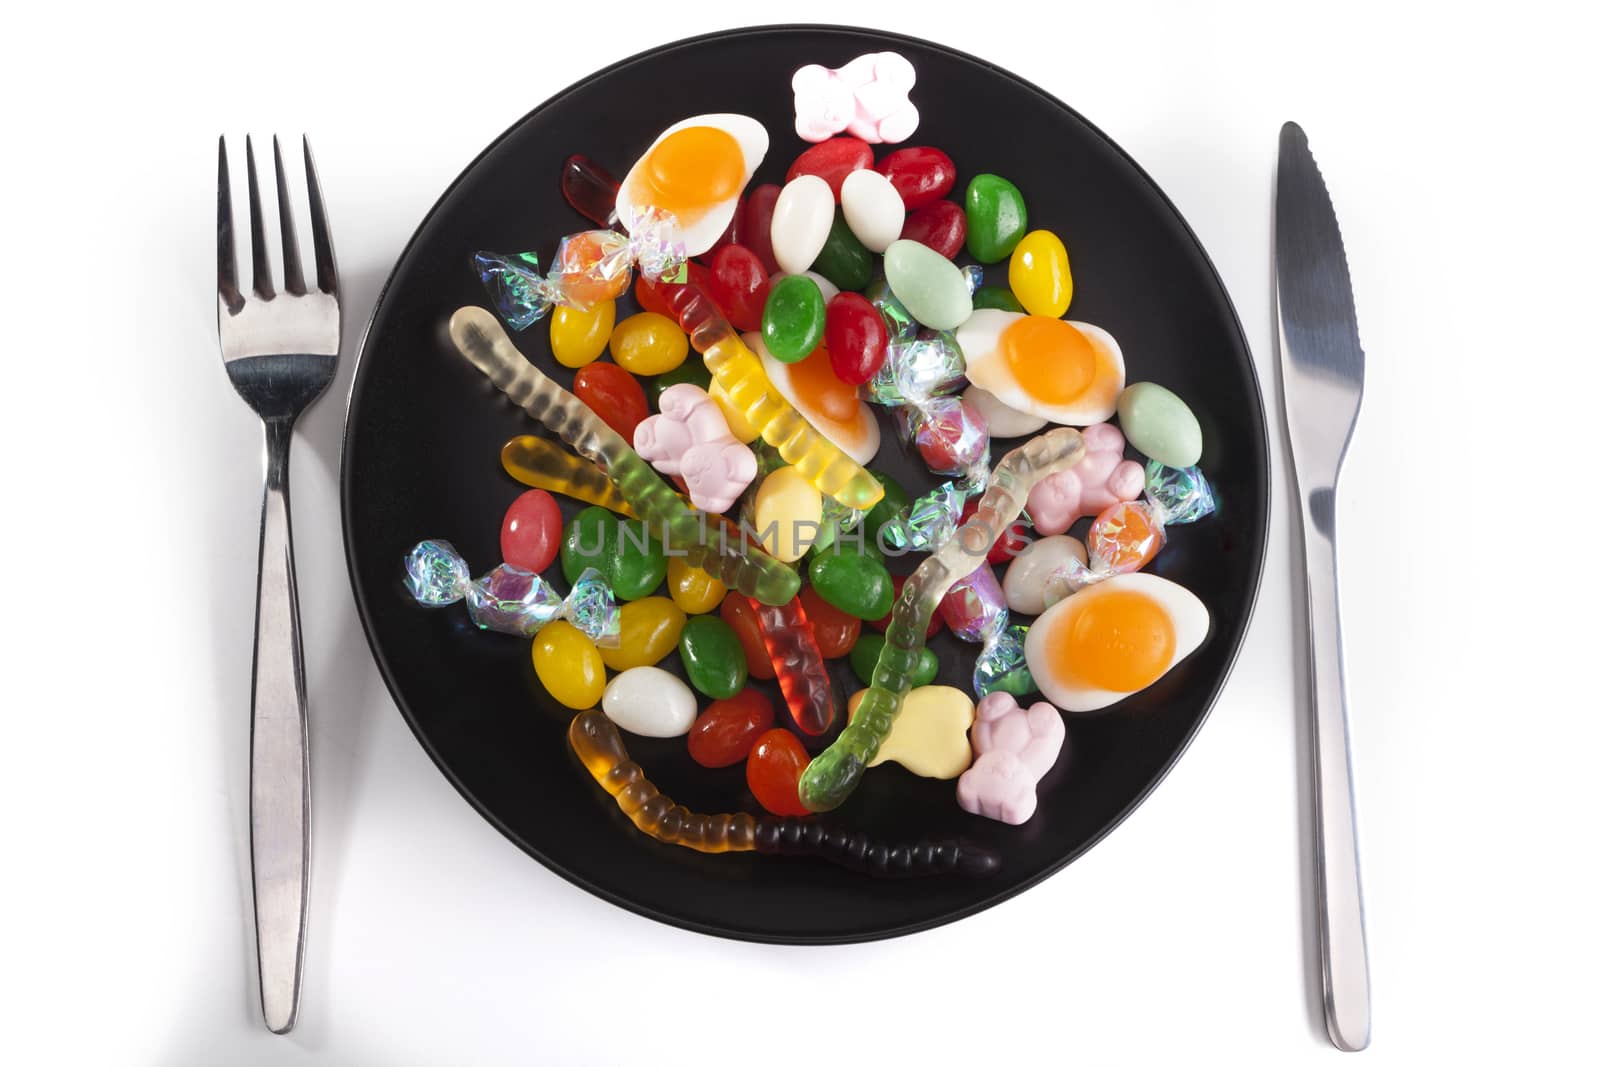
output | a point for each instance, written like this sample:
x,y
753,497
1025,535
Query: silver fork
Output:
x,y
280,350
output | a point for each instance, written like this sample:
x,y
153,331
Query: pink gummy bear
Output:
x,y
1014,749
868,97
690,438
1102,478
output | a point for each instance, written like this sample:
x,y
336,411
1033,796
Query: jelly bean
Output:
x,y
932,288
941,225
929,736
530,534
578,337
692,589
590,189
773,772
920,175
712,657
935,622
788,513
588,542
895,500
855,337
650,630
692,371
864,657
650,702
614,395
727,730
738,423
1012,539
1040,276
997,297
739,285
638,563
855,584
1027,577
795,315
835,631
1157,422
833,161
996,218
800,222
568,665
648,343
844,260
755,224
873,209
737,613
824,286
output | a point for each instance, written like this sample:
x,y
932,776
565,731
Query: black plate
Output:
x,y
424,432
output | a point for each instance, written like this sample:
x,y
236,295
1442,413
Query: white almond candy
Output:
x,y
1028,574
872,209
1002,420
649,702
800,222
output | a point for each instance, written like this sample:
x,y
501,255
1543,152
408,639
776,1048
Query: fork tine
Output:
x,y
321,243
261,272
227,261
293,281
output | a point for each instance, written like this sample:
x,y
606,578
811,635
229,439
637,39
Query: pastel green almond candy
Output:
x,y
691,371
844,260
855,584
997,218
1157,422
932,288
997,297
713,658
636,562
864,657
792,321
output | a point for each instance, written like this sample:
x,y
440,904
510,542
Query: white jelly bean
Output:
x,y
649,702
1026,575
872,209
800,222
1002,420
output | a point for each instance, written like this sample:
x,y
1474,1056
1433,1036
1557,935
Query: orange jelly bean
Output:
x,y
737,613
773,772
727,730
835,631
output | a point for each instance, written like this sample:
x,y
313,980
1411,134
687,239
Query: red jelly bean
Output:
x,y
1013,540
737,613
739,284
755,224
835,631
530,535
941,225
730,236
773,772
855,337
935,624
919,175
727,730
834,160
614,394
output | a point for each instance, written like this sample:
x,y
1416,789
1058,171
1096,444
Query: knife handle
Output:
x,y
279,791
1346,998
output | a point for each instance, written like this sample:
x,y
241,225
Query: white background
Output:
x,y
1459,146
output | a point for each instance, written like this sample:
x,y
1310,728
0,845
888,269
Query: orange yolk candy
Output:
x,y
1052,360
691,170
1121,641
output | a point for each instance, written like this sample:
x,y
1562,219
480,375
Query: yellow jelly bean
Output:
x,y
648,343
788,513
692,589
568,665
738,425
650,629
1040,276
578,337
929,736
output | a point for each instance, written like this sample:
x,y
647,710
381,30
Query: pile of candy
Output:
x,y
723,451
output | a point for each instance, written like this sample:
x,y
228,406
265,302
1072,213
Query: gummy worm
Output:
x,y
598,746
479,337
797,661
544,464
835,772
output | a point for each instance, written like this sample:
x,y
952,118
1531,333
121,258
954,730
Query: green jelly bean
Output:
x,y
713,658
932,288
588,541
997,297
692,370
895,500
792,322
852,542
997,218
1157,422
637,562
844,260
864,657
856,584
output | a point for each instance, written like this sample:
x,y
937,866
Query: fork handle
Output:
x,y
279,778
1346,998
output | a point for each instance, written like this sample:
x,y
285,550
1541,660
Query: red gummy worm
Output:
x,y
797,661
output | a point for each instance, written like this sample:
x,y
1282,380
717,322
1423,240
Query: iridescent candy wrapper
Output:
x,y
975,610
509,599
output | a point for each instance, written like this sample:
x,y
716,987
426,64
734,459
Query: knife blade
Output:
x,y
1322,368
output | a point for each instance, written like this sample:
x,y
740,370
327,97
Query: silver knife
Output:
x,y
1321,369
